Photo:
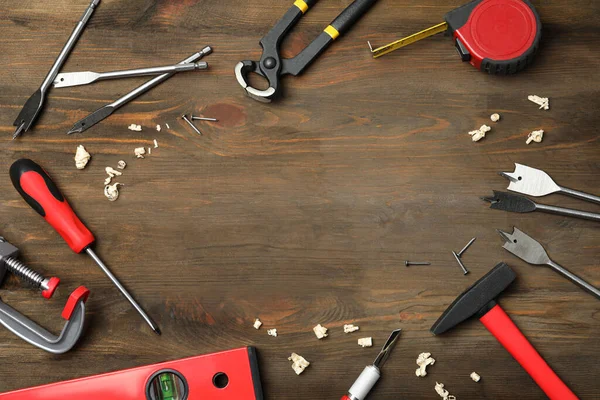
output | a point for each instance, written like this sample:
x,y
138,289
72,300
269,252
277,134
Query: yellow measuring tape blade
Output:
x,y
388,48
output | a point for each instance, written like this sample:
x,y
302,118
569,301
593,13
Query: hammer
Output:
x,y
479,301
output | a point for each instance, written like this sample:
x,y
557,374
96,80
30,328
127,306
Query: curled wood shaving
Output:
x,y
365,342
423,361
134,127
350,328
535,136
82,157
320,331
299,363
112,191
543,102
257,323
139,152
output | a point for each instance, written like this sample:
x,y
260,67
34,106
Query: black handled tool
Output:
x,y
41,193
33,106
521,204
271,66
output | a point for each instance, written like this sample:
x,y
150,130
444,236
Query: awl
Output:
x,y
371,374
34,105
42,194
108,109
68,79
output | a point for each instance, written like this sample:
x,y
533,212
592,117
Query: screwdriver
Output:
x,y
495,36
42,194
371,374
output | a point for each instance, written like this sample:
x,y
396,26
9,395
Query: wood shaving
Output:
x,y
121,164
134,127
475,376
479,134
107,180
365,342
543,102
139,152
112,191
272,332
113,172
167,125
299,363
155,144
158,128
439,388
495,117
82,157
257,323
535,136
423,361
149,150
350,328
320,331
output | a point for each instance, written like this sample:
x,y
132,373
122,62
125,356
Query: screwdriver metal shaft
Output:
x,y
124,291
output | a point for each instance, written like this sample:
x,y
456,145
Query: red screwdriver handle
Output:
x,y
509,335
42,194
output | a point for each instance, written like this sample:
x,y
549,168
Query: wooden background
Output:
x,y
303,212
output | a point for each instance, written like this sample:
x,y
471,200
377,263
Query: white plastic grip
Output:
x,y
365,382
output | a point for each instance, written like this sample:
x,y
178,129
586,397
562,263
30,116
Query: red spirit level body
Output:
x,y
228,375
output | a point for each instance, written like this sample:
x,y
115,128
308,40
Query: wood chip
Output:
x,y
82,157
299,363
320,331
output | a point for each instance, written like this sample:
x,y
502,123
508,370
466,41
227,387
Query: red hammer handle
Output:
x,y
507,333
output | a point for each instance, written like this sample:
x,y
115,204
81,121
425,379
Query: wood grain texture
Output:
x,y
303,211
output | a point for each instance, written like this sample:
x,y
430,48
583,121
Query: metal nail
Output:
x,y
191,124
465,270
193,118
460,253
409,263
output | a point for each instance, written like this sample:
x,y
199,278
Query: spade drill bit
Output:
x,y
34,105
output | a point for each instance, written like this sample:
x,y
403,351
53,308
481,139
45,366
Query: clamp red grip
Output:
x,y
52,285
509,335
80,294
496,36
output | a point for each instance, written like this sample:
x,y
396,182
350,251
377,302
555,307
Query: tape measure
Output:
x,y
495,36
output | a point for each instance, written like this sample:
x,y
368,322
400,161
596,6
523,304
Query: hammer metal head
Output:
x,y
476,298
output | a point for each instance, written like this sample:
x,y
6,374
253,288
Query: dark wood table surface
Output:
x,y
303,211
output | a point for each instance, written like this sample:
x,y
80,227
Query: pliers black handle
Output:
x,y
271,66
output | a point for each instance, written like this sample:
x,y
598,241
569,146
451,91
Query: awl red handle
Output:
x,y
42,194
509,335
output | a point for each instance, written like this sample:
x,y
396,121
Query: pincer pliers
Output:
x,y
272,66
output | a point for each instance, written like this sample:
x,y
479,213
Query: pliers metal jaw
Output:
x,y
272,67
242,69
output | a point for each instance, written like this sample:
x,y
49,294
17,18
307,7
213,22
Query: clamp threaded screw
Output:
x,y
32,277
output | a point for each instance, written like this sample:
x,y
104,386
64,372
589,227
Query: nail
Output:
x,y
465,270
409,263
460,253
203,119
190,123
